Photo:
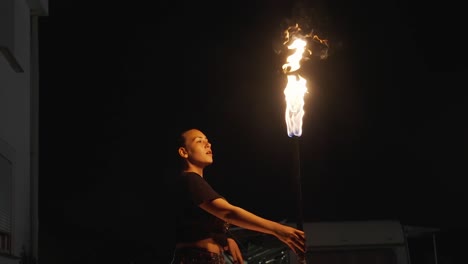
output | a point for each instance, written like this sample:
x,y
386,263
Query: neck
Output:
x,y
197,170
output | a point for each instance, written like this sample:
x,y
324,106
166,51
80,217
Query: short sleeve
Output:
x,y
198,189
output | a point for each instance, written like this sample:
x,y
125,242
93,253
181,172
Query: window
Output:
x,y
5,204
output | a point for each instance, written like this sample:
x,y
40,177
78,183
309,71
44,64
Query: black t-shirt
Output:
x,y
192,222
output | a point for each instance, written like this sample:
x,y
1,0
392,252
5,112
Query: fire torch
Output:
x,y
299,48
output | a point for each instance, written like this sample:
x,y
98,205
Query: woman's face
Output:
x,y
197,150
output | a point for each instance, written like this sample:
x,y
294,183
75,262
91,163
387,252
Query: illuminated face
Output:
x,y
197,150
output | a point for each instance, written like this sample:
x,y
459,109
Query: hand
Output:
x,y
234,250
292,237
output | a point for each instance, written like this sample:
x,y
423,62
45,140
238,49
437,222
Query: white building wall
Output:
x,y
351,235
16,89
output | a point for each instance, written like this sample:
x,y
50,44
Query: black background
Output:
x,y
384,134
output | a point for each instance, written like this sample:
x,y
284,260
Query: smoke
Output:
x,y
304,24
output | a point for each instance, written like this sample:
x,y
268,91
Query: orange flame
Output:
x,y
296,86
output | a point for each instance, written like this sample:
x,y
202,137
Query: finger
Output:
x,y
298,245
239,258
301,234
301,240
234,255
292,248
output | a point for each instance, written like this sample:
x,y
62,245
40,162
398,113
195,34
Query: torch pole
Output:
x,y
297,174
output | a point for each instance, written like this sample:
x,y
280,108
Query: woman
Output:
x,y
204,216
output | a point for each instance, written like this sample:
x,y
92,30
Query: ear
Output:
x,y
183,152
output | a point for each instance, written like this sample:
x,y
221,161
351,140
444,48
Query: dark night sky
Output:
x,y
385,132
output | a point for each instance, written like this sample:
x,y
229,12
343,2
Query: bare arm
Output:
x,y
292,237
